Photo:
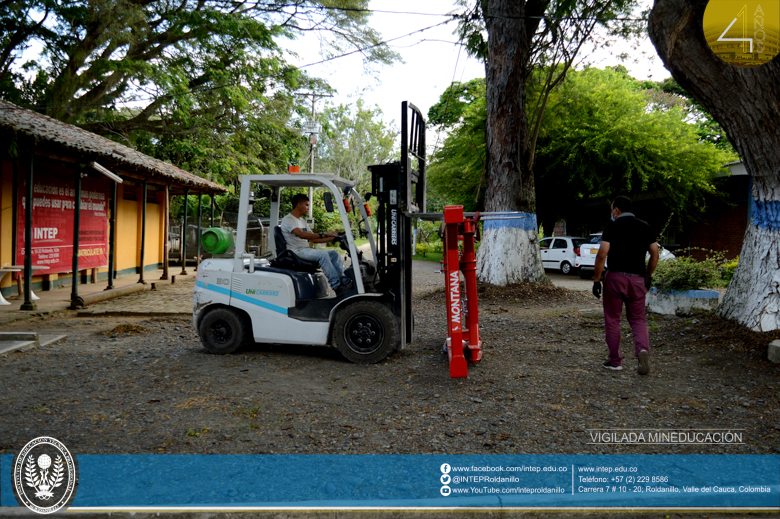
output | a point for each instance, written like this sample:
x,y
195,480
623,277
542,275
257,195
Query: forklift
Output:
x,y
279,298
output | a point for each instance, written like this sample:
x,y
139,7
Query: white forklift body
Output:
x,y
267,296
284,299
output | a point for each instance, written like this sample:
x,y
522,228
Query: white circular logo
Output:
x,y
45,476
445,491
445,468
445,479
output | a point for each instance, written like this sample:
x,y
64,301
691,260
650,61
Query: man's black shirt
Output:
x,y
629,239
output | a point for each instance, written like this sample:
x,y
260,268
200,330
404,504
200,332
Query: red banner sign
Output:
x,y
54,203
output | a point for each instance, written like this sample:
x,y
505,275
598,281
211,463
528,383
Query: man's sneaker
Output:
x,y
343,288
608,365
644,363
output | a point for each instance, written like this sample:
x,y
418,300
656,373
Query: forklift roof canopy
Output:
x,y
301,180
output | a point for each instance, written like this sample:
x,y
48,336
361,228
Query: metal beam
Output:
x,y
183,235
197,235
212,209
112,236
74,291
28,302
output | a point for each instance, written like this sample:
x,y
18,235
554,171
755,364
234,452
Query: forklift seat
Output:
x,y
287,259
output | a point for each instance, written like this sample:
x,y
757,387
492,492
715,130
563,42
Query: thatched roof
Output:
x,y
43,130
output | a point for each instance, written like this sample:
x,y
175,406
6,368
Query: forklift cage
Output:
x,y
335,184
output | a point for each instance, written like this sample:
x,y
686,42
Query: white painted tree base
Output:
x,y
510,255
753,296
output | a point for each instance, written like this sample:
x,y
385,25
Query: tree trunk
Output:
x,y
509,252
744,100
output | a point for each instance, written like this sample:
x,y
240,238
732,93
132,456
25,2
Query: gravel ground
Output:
x,y
146,385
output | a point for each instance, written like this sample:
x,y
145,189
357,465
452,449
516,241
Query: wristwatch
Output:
x,y
320,236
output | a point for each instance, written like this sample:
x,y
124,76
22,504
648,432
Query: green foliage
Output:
x,y
708,128
453,102
355,137
728,268
604,134
685,273
456,170
207,79
602,137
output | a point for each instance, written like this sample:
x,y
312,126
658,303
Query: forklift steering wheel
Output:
x,y
341,239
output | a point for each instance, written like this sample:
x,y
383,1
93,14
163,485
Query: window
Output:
x,y
594,239
560,244
577,243
545,244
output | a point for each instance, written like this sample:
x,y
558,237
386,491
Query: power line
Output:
x,y
268,76
453,15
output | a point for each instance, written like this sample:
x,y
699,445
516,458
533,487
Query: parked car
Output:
x,y
586,257
560,252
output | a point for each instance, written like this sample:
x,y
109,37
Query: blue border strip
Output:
x,y
242,297
403,481
512,221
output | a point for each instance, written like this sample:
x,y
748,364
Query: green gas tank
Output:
x,y
217,240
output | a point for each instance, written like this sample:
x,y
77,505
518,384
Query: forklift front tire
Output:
x,y
222,331
365,332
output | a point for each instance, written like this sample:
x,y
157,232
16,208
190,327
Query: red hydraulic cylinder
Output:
x,y
463,342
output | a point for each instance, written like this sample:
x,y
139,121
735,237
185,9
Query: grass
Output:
x,y
430,256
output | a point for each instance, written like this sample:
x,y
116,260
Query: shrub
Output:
x,y
688,274
728,269
423,249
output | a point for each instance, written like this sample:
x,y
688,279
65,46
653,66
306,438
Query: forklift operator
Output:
x,y
298,236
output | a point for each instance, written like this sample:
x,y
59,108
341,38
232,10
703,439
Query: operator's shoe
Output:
x,y
644,363
608,365
345,287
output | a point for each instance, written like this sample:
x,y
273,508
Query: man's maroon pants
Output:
x,y
619,289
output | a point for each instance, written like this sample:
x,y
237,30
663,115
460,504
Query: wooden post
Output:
x,y
166,235
143,231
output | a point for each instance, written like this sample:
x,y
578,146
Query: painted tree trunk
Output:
x,y
753,296
509,252
744,100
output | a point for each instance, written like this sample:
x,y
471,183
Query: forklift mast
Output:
x,y
399,188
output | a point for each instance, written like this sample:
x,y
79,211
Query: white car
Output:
x,y
560,252
586,255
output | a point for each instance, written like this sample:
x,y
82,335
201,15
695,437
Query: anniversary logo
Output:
x,y
45,476
745,34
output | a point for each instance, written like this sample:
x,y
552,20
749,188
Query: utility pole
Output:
x,y
313,129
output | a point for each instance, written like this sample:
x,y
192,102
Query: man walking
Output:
x,y
297,236
625,241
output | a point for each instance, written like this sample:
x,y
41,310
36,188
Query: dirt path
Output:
x,y
145,385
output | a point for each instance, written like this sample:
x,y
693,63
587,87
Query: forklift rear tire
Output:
x,y
223,331
366,332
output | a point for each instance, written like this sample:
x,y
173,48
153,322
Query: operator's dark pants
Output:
x,y
619,289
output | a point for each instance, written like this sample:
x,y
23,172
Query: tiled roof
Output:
x,y
46,129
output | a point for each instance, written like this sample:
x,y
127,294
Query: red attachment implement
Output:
x,y
463,342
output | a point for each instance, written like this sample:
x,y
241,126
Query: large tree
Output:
x,y
604,134
183,79
746,103
523,35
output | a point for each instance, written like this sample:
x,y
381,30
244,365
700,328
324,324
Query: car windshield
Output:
x,y
577,243
594,239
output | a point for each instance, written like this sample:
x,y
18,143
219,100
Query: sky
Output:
x,y
431,60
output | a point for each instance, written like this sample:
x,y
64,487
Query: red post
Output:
x,y
462,323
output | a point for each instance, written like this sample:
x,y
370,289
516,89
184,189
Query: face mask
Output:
x,y
612,216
